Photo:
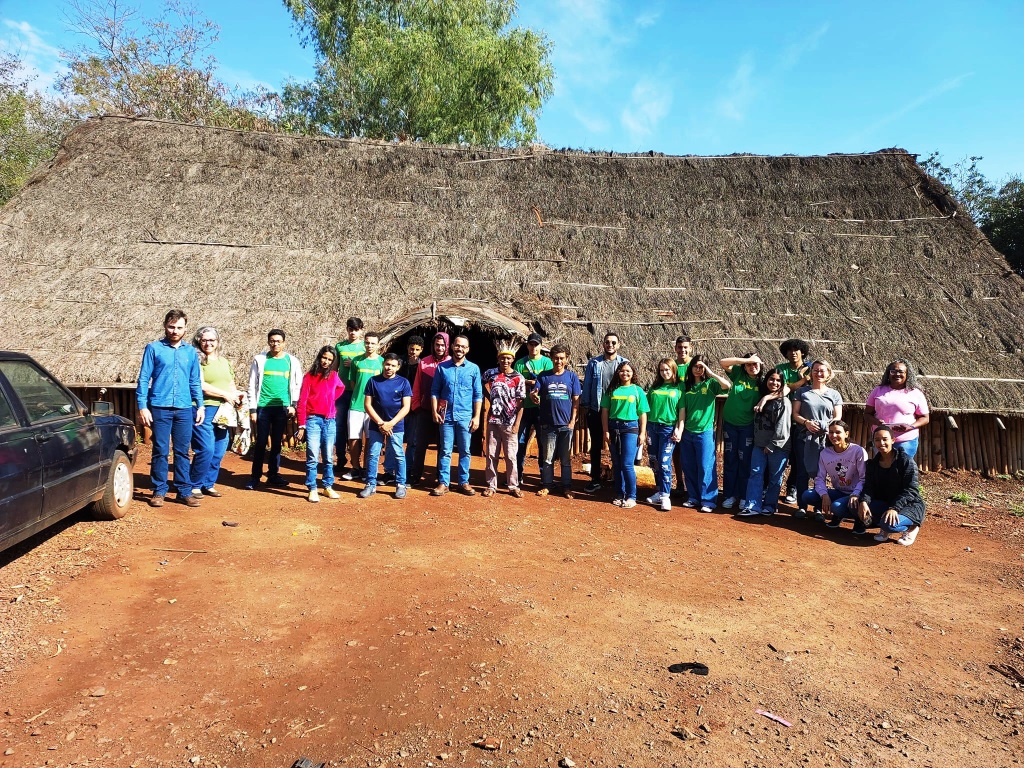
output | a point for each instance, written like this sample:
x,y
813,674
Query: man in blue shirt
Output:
x,y
456,397
386,404
596,379
170,398
557,392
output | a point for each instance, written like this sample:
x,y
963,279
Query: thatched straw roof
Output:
x,y
865,255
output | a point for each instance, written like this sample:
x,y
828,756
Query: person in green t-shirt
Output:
x,y
209,440
530,365
361,370
348,349
624,409
664,429
275,381
738,423
700,388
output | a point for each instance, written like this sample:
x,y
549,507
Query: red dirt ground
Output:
x,y
398,633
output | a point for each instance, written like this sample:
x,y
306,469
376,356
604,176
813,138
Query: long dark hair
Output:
x,y
690,378
316,370
616,382
762,386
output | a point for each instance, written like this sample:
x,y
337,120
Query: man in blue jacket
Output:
x,y
456,397
169,384
596,379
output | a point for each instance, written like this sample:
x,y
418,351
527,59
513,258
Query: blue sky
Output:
x,y
706,77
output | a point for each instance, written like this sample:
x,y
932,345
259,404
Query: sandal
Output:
x,y
487,492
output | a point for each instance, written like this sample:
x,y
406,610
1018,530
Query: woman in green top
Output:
x,y
701,386
209,440
738,424
624,410
664,429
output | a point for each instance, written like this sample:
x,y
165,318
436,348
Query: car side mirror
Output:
x,y
102,408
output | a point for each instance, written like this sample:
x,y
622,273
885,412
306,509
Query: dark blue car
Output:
x,y
56,454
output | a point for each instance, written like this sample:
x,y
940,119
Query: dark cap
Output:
x,y
534,338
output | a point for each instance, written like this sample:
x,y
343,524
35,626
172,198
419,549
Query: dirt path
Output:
x,y
383,632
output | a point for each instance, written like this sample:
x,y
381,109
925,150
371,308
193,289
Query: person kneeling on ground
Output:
x,y
841,465
891,498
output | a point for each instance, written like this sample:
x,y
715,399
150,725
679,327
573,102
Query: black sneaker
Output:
x,y
835,522
278,482
592,488
859,528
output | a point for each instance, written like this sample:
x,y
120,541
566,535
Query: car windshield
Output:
x,y
43,399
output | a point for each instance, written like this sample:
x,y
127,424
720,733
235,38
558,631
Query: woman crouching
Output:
x,y
891,498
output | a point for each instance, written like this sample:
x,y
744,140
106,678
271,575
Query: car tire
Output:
x,y
117,494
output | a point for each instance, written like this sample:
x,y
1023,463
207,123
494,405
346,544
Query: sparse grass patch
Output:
x,y
961,498
1017,510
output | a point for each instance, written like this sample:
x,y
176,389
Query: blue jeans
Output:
x,y
271,421
739,443
171,426
624,438
910,446
878,509
394,455
209,444
320,437
839,505
677,465
803,464
527,424
765,483
454,434
661,450
552,442
699,467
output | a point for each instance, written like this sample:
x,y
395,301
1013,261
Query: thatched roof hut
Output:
x,y
865,255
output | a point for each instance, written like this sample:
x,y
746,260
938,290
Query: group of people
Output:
x,y
359,404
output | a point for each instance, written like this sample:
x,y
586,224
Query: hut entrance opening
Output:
x,y
481,325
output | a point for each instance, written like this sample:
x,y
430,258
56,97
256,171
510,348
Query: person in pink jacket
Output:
x,y
420,427
321,388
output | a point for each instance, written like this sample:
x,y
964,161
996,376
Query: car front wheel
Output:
x,y
117,496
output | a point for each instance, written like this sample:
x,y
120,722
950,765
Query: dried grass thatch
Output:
x,y
865,255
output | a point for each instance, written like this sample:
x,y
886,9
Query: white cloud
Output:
x,y
910,106
646,19
649,103
40,61
593,123
793,53
740,91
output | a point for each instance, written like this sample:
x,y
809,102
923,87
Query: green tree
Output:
x,y
154,67
967,184
445,71
1003,223
31,128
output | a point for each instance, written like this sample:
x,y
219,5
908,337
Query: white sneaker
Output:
x,y
666,503
628,503
655,499
690,504
197,492
881,536
313,496
330,493
729,503
707,509
909,537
